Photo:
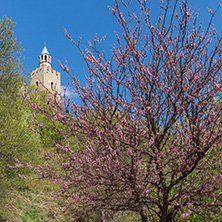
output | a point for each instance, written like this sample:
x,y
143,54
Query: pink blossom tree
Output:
x,y
147,136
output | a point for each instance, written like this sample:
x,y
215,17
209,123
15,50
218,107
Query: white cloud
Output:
x,y
68,92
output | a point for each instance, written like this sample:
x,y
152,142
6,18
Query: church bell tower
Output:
x,y
44,77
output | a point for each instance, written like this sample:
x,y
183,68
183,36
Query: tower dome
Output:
x,y
45,56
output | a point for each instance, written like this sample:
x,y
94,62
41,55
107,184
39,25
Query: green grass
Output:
x,y
28,205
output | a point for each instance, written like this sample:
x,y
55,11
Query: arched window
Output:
x,y
52,87
45,57
41,57
37,83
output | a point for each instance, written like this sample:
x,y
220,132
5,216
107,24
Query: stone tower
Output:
x,y
44,77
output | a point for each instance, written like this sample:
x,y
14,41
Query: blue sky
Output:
x,y
38,21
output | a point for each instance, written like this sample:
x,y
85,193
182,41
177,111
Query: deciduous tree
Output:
x,y
150,121
15,137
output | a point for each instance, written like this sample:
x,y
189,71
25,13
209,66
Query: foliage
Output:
x,y
16,140
149,124
10,60
10,82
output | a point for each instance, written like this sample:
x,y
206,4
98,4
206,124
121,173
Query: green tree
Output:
x,y
11,79
16,140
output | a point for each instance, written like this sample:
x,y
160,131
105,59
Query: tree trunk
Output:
x,y
164,209
143,216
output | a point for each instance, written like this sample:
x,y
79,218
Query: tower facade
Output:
x,y
44,77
